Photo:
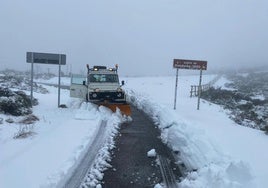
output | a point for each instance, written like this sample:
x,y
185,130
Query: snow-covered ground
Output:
x,y
221,153
60,140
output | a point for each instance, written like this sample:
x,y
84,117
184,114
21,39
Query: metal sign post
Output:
x,y
199,90
189,64
45,58
59,80
32,81
176,86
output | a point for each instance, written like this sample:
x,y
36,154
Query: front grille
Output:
x,y
111,96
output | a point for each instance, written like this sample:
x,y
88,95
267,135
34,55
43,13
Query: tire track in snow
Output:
x,y
167,174
84,166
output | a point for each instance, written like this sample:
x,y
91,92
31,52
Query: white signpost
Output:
x,y
189,64
45,58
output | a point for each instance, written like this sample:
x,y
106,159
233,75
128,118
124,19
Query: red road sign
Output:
x,y
189,64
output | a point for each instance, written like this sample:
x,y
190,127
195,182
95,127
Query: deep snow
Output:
x,y
217,152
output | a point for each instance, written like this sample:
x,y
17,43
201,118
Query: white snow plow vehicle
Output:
x,y
102,87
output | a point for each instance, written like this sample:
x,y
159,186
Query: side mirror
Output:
x,y
123,82
84,82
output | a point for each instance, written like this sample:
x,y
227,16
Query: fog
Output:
x,y
143,37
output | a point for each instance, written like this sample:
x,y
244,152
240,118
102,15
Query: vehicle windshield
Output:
x,y
112,78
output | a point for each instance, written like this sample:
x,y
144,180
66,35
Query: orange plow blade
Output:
x,y
124,108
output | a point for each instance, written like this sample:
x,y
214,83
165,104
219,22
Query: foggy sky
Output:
x,y
143,37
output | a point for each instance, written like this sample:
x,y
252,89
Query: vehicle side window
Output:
x,y
78,79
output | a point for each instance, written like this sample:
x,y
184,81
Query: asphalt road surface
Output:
x,y
131,167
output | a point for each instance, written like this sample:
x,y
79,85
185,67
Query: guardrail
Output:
x,y
195,88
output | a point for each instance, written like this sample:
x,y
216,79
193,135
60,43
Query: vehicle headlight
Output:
x,y
97,90
119,89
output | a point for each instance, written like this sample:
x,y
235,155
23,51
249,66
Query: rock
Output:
x,y
63,106
9,120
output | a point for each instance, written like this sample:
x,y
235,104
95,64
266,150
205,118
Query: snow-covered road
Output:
x,y
131,166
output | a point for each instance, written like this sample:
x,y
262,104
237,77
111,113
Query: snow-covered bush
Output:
x,y
15,103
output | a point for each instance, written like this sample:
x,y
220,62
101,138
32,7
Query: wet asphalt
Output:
x,y
131,167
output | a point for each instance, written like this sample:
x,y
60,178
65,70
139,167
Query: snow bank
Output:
x,y
95,174
233,174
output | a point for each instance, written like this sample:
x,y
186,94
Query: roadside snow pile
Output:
x,y
208,166
231,175
151,153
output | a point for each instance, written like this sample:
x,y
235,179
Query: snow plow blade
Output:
x,y
124,108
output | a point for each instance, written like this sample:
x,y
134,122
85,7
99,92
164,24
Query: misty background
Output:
x,y
143,37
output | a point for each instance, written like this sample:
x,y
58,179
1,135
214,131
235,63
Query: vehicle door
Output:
x,y
78,88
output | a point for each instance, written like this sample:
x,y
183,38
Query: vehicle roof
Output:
x,y
102,71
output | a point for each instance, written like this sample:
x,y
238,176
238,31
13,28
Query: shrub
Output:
x,y
15,103
266,129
